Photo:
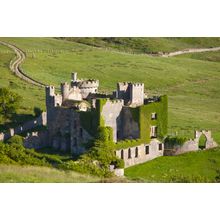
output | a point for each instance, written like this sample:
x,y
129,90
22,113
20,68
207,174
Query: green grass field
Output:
x,y
202,166
33,174
147,44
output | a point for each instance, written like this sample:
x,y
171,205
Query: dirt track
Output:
x,y
15,65
192,50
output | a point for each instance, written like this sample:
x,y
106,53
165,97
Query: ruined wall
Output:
x,y
190,145
36,140
111,114
59,128
39,121
142,153
78,135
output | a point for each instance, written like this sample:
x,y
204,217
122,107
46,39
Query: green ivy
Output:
x,y
142,115
175,140
91,120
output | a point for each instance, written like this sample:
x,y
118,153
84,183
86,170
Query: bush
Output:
x,y
16,140
9,103
171,141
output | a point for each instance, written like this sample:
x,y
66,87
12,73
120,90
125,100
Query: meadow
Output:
x,y
202,166
34,174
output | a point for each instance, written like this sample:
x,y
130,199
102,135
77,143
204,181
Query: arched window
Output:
x,y
122,154
202,142
136,152
129,153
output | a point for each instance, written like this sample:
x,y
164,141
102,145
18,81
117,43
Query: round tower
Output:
x,y
88,86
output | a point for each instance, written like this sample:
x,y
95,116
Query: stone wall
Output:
x,y
36,140
190,145
141,153
40,121
129,127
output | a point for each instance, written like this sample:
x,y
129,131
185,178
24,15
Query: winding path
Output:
x,y
15,65
191,50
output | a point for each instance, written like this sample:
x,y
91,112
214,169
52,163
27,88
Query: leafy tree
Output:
x,y
9,103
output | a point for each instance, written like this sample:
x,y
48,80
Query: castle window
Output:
x,y
153,115
136,152
81,132
75,141
129,153
153,131
122,154
160,146
147,149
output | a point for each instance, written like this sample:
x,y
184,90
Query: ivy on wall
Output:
x,y
91,120
142,115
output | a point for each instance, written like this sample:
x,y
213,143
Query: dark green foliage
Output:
x,y
172,141
16,139
9,103
13,152
142,115
105,134
91,120
127,143
100,156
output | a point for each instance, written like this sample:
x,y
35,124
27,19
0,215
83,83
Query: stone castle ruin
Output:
x,y
74,116
138,123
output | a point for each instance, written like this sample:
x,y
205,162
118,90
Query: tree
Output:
x,y
9,103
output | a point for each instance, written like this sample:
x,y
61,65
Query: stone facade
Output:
x,y
39,121
67,132
141,153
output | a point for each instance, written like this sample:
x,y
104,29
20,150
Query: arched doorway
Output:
x,y
202,142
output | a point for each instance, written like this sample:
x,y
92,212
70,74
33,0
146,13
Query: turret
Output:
x,y
65,90
74,77
50,93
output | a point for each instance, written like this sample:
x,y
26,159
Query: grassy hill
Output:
x,y
202,166
146,44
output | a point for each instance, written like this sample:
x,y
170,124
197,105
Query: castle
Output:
x,y
139,123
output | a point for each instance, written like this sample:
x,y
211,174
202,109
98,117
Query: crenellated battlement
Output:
x,y
88,83
137,84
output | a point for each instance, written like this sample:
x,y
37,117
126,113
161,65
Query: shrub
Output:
x,y
15,140
171,141
9,103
